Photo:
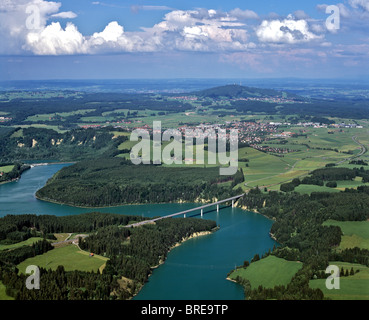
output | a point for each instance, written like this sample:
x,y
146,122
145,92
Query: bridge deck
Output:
x,y
185,211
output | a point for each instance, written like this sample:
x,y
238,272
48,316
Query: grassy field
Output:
x,y
340,139
342,185
127,145
3,295
44,126
24,94
168,120
355,287
71,257
27,242
263,169
50,116
267,170
6,169
308,154
61,236
314,151
355,233
308,189
268,272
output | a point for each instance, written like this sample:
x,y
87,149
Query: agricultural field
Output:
x,y
340,139
131,118
308,189
268,272
43,126
127,145
353,287
342,185
61,236
270,170
37,95
6,169
71,257
315,151
263,169
27,242
60,116
3,295
355,233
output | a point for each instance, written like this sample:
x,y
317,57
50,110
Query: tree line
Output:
x,y
302,237
327,176
46,224
40,143
132,253
110,182
15,173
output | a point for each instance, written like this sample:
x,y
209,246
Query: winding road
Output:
x,y
363,150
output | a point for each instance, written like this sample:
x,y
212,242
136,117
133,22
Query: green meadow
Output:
x,y
41,125
27,242
268,272
70,256
6,169
49,116
3,295
353,287
308,189
355,233
270,170
327,138
342,185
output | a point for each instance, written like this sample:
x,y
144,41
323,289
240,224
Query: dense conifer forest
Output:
x,y
20,144
110,182
298,228
15,173
132,253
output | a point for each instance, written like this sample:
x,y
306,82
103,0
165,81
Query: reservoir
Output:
x,y
195,270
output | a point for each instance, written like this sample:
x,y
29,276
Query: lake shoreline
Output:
x,y
244,208
197,201
31,166
177,244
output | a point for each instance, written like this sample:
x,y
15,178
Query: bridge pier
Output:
x,y
233,199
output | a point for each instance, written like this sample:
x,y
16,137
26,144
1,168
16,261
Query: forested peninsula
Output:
x,y
114,181
131,253
15,173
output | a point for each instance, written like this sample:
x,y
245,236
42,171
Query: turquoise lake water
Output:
x,y
196,270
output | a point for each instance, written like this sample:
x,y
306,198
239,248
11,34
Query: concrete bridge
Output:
x,y
185,212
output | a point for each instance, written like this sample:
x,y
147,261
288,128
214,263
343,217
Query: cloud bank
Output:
x,y
27,26
33,27
286,31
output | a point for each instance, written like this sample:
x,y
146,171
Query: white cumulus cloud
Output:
x,y
65,15
285,31
243,14
201,30
19,18
54,40
363,4
205,30
112,32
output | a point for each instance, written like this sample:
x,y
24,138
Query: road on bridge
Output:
x,y
184,212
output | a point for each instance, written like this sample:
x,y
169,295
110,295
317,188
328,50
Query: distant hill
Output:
x,y
237,91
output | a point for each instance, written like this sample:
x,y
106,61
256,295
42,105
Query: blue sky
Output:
x,y
82,39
